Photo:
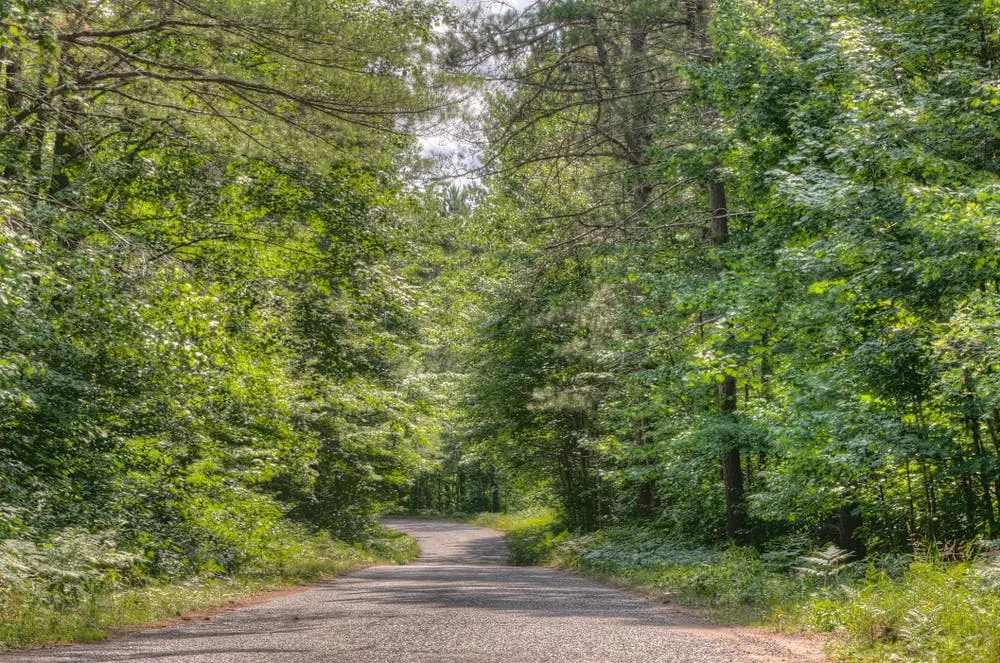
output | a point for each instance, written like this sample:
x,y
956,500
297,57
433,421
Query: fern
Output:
x,y
825,564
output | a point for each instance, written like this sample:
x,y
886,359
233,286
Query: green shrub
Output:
x,y
736,580
79,586
533,536
886,608
938,612
393,546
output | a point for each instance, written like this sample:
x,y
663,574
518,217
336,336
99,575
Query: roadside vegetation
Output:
x,y
79,588
934,606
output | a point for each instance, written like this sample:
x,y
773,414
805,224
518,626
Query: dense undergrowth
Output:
x,y
80,587
919,607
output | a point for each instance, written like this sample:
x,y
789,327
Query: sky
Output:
x,y
445,143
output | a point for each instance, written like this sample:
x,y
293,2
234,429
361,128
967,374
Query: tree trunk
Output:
x,y
719,230
732,468
699,15
848,521
646,495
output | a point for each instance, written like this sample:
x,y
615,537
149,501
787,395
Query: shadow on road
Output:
x,y
541,593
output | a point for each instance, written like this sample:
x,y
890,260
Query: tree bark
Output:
x,y
732,467
699,15
646,494
719,231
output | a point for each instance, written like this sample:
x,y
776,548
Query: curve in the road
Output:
x,y
459,602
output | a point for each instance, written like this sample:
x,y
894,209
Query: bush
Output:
x,y
533,536
735,579
885,608
938,612
80,586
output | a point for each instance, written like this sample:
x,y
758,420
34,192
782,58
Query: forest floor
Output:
x,y
459,602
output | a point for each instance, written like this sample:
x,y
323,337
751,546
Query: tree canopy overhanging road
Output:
x,y
702,294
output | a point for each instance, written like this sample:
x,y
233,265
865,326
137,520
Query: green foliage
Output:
x,y
533,536
737,583
936,612
393,546
204,336
826,564
890,609
79,588
850,303
727,277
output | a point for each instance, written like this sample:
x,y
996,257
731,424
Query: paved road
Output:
x,y
459,602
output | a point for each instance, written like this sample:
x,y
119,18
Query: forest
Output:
x,y
663,285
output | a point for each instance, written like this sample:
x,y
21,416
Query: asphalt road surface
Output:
x,y
458,602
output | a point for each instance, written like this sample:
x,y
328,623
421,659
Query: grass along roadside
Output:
x,y
887,609
71,613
